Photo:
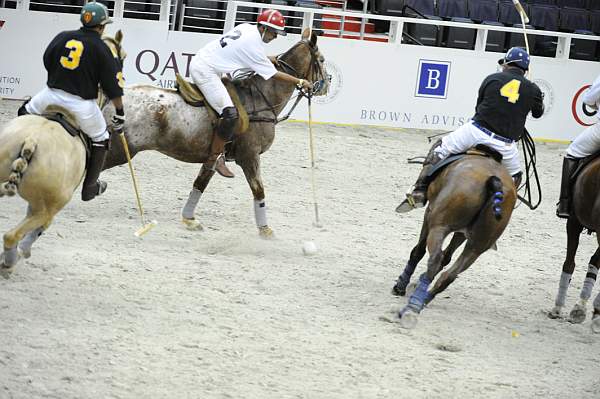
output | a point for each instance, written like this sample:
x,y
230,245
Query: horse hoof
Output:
x,y
408,319
399,289
265,232
555,313
192,224
577,315
9,259
596,325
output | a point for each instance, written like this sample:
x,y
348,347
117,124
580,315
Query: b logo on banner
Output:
x,y
582,114
432,79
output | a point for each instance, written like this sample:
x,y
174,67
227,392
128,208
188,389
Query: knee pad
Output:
x,y
227,123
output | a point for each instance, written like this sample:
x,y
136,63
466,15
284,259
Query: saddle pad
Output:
x,y
582,164
480,150
68,122
192,95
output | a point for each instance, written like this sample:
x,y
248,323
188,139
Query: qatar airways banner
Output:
x,y
372,83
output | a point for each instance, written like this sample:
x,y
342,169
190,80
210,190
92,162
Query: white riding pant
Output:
x,y
468,136
209,82
86,112
586,143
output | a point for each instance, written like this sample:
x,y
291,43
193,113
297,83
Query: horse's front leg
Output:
x,y
574,229
419,298
416,254
200,184
577,314
251,168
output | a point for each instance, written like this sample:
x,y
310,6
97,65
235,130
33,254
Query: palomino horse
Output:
x,y
158,119
585,213
44,164
472,198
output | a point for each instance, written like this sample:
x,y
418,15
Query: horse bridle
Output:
x,y
314,65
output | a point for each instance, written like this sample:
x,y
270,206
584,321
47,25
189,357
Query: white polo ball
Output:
x,y
309,248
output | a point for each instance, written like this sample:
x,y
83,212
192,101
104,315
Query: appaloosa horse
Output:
x,y
159,119
44,164
473,198
585,213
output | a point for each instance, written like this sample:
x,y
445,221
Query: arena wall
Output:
x,y
384,84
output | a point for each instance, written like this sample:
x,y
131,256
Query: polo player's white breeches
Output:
x,y
586,144
209,82
468,136
86,112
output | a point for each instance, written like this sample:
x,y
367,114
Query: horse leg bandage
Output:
x,y
419,297
260,213
588,283
563,286
27,242
190,206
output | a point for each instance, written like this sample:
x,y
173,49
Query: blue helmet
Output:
x,y
516,56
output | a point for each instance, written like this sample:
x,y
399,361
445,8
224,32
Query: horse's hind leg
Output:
x,y
30,238
417,300
577,314
416,254
200,184
574,229
457,240
251,168
39,216
596,315
466,259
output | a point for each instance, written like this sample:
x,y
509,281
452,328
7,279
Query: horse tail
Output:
x,y
495,195
18,167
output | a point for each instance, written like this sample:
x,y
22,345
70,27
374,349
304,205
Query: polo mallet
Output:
x,y
146,227
524,21
312,160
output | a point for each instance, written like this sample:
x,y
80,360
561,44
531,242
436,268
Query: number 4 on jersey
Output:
x,y
511,91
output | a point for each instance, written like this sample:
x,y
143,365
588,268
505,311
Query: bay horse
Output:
x,y
159,119
585,213
473,198
44,164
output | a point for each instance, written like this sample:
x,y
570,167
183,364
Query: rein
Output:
x,y
314,65
530,159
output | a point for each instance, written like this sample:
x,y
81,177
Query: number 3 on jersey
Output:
x,y
71,61
511,91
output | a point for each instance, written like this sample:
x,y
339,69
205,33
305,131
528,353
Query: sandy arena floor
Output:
x,y
98,313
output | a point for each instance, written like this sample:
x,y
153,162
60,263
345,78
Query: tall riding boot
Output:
x,y
216,160
417,198
93,187
563,208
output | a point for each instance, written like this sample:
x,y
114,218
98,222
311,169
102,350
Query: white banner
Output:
x,y
373,83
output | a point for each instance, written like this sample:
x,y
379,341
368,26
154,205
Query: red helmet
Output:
x,y
273,20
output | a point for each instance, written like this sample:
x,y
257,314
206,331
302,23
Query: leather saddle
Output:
x,y
479,149
581,165
68,122
192,95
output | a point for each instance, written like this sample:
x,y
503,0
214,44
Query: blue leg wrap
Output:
x,y
418,298
404,278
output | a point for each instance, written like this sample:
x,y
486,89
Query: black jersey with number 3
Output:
x,y
505,99
77,61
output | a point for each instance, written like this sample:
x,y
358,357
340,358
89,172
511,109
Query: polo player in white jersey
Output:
x,y
240,48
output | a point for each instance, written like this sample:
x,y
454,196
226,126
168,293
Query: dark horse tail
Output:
x,y
495,194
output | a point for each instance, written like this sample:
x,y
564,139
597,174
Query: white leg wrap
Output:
x,y
588,283
260,213
190,206
561,297
30,238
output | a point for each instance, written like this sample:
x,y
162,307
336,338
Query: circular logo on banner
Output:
x,y
335,84
582,113
548,92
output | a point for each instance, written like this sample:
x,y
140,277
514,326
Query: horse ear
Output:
x,y
119,36
313,39
306,33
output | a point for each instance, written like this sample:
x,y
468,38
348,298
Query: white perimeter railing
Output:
x,y
217,16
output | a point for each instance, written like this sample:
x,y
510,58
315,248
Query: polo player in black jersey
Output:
x,y
505,99
77,62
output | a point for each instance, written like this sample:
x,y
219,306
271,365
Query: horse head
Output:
x,y
115,46
305,61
